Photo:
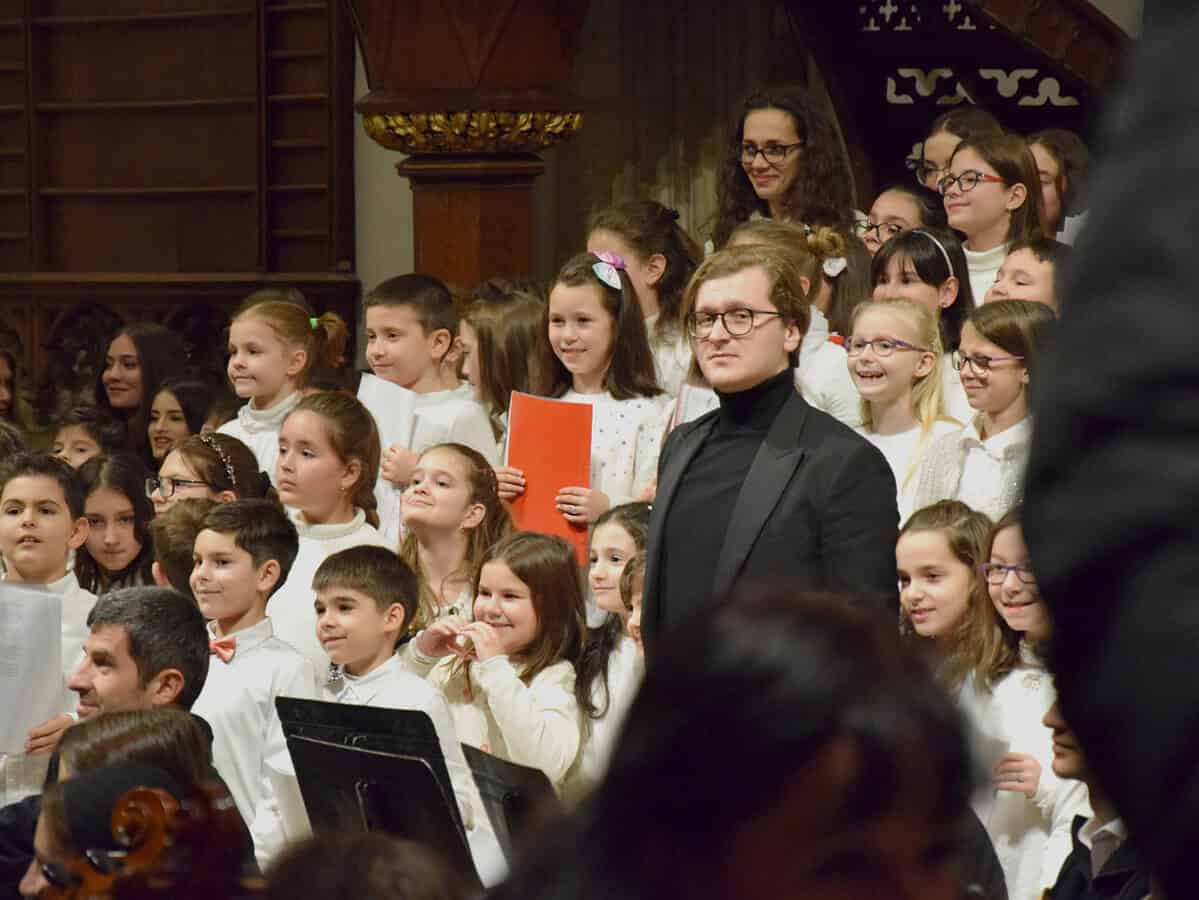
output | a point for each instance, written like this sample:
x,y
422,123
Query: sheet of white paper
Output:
x,y
393,407
31,683
292,813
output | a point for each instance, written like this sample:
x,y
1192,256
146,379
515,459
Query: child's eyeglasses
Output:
x,y
166,485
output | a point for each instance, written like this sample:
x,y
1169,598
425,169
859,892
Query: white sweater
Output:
x,y
904,453
1032,838
823,373
983,266
535,724
291,607
986,475
258,429
626,436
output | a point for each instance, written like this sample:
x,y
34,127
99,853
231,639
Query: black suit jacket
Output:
x,y
1123,877
817,507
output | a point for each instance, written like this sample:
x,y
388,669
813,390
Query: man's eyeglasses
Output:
x,y
881,346
883,231
966,182
996,573
737,322
772,153
979,363
166,485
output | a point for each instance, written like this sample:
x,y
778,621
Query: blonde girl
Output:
x,y
660,258
452,516
822,257
328,462
274,343
602,358
1030,811
509,675
982,464
895,359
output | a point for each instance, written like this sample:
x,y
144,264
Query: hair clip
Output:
x,y
314,323
834,266
211,443
608,269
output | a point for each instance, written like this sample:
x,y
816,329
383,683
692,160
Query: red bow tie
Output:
x,y
223,649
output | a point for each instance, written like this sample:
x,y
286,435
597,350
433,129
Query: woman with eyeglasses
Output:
x,y
1029,811
982,464
784,161
213,466
962,123
895,359
992,196
900,208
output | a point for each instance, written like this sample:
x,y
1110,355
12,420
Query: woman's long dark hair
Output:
x,y
194,397
821,195
161,355
124,473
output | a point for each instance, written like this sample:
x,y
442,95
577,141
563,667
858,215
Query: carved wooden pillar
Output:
x,y
472,90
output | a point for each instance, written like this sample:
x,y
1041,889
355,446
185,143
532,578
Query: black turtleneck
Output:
x,y
695,527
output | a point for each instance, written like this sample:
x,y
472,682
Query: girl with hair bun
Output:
x,y
830,266
660,258
274,343
326,472
211,466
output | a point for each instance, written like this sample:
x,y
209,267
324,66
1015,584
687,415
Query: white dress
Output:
x,y
904,453
22,775
626,436
535,724
626,669
291,607
1032,838
258,429
238,702
823,374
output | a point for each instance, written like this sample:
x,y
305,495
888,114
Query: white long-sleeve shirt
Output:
x,y
238,701
1032,838
535,724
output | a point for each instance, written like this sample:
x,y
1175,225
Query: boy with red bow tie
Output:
x,y
242,554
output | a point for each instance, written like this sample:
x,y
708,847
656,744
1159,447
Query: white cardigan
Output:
x,y
1032,838
535,724
945,462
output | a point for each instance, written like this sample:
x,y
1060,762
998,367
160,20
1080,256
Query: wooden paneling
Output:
x,y
161,144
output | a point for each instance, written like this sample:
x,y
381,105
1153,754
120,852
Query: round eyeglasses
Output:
x,y
166,485
926,173
881,346
979,363
737,322
967,181
883,231
996,573
772,153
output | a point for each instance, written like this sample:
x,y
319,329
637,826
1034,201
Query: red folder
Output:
x,y
550,441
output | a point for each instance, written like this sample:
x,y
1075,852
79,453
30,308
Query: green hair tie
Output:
x,y
314,323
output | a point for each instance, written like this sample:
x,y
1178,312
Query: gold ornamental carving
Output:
x,y
471,132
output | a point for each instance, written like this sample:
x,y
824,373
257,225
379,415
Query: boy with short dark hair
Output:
x,y
411,327
1030,272
41,524
242,554
174,535
365,598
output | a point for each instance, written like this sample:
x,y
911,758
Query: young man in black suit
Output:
x,y
765,487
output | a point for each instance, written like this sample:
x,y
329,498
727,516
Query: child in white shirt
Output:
x,y
411,323
509,675
365,597
274,341
327,469
895,360
660,258
241,556
597,333
983,463
452,515
41,523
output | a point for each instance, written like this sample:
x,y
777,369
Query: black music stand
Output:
x,y
515,796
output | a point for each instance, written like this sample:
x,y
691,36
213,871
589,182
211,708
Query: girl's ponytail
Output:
x,y
330,337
